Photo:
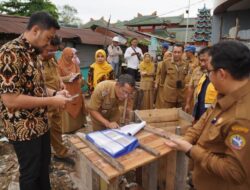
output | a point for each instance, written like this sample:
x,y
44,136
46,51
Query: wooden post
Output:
x,y
149,176
181,167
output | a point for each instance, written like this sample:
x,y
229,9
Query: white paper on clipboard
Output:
x,y
131,129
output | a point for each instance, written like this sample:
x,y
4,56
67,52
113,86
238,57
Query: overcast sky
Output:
x,y
128,9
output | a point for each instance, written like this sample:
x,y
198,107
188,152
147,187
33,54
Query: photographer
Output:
x,y
133,55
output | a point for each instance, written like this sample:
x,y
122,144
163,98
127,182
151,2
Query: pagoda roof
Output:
x,y
99,22
141,20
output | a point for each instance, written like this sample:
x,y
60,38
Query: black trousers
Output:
x,y
34,160
134,73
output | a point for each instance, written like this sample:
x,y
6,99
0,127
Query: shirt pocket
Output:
x,y
106,106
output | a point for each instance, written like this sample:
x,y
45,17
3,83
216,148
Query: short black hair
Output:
x,y
133,39
232,56
44,20
179,45
126,78
204,50
56,41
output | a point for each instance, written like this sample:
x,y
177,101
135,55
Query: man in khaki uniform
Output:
x,y
219,142
159,103
173,74
106,99
53,81
195,78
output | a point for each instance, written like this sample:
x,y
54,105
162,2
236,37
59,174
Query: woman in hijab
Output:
x,y
147,70
99,71
74,115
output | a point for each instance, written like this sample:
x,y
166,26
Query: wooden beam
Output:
x,y
112,161
150,150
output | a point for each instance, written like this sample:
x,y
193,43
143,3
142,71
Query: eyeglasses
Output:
x,y
209,71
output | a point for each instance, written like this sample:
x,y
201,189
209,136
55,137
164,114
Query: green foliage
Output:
x,y
67,15
27,7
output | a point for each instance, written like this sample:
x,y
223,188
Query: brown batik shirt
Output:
x,y
20,73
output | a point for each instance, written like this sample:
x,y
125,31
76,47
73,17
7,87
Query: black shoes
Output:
x,y
66,160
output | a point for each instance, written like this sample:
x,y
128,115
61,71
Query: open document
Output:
x,y
74,77
131,129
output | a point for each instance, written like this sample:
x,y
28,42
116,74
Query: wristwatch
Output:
x,y
54,93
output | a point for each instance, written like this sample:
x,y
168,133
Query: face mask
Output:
x,y
76,60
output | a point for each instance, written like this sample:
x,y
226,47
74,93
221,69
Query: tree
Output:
x,y
27,7
67,15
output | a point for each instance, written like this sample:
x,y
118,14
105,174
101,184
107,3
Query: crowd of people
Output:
x,y
41,98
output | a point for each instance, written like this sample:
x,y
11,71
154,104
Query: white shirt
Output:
x,y
133,61
113,54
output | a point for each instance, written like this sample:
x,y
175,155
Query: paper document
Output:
x,y
131,129
74,76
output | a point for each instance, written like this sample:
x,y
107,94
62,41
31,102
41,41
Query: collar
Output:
x,y
31,49
228,100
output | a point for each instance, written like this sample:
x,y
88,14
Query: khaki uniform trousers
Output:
x,y
55,124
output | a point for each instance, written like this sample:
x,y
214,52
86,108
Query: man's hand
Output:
x,y
112,125
64,93
178,144
60,101
187,108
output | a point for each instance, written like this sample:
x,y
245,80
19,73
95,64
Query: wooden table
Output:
x,y
87,159
164,172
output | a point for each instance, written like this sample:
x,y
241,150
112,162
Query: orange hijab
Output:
x,y
100,69
66,66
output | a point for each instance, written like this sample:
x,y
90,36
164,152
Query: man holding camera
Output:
x,y
133,55
173,75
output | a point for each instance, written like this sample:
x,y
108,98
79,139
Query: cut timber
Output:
x,y
109,159
150,150
163,115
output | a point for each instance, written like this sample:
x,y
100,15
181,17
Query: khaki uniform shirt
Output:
x,y
195,77
193,64
221,141
21,73
51,75
172,72
105,102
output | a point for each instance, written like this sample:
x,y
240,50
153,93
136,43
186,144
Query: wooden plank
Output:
x,y
114,184
149,176
161,115
181,171
171,170
150,150
109,159
162,172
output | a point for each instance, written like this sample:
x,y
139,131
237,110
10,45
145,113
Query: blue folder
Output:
x,y
113,142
